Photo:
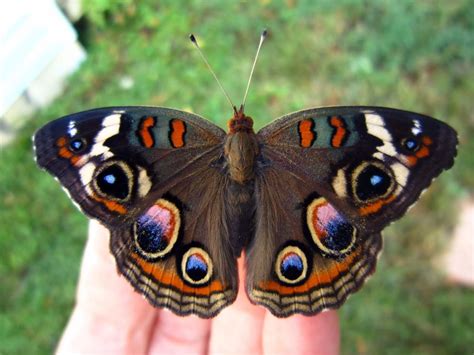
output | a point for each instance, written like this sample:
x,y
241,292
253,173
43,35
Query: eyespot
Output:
x,y
372,181
77,145
196,266
156,231
330,231
411,144
114,180
291,265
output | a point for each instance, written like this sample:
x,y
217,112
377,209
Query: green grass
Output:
x,y
414,55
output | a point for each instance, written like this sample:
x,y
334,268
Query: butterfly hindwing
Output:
x,y
318,257
178,252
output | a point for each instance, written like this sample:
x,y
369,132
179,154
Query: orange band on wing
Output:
x,y
144,133
340,131
177,133
306,132
170,278
320,277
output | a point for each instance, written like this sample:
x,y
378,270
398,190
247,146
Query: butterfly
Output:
x,y
305,198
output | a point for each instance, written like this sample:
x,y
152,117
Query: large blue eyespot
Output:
x,y
372,182
339,234
114,180
332,233
150,235
156,231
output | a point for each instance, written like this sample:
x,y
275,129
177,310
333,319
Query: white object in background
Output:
x,y
34,36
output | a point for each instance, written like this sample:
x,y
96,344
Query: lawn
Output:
x,y
414,55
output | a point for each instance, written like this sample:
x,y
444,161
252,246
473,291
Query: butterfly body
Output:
x,y
305,198
241,148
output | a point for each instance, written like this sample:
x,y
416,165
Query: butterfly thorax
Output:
x,y
241,148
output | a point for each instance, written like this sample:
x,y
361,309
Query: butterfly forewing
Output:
x,y
370,162
114,161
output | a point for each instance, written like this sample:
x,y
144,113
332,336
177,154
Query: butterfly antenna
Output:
x,y
262,38
194,40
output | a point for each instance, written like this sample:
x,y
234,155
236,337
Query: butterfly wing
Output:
x,y
329,180
153,177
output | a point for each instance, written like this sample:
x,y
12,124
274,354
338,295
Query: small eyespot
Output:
x,y
411,144
196,266
77,145
291,265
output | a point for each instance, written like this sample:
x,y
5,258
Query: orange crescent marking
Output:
x,y
307,136
316,278
144,132
376,206
340,134
168,278
111,205
178,130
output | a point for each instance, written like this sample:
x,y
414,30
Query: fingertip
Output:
x,y
300,334
238,328
174,334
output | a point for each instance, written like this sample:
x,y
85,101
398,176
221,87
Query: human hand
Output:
x,y
110,317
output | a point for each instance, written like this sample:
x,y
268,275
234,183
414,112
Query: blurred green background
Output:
x,y
413,55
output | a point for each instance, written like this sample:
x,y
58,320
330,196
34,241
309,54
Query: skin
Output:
x,y
109,317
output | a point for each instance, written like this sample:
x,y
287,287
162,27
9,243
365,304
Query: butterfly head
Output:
x,y
240,122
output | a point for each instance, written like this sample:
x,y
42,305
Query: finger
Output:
x,y
179,335
109,315
238,329
302,335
